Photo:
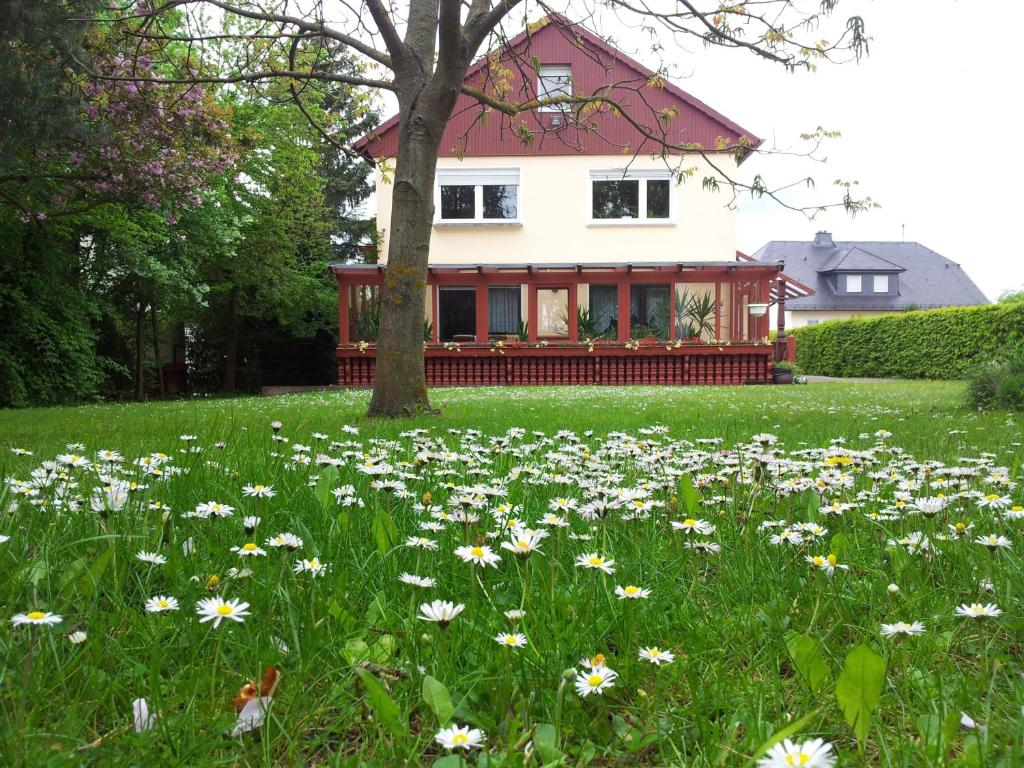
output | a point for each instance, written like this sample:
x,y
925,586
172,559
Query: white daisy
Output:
x,y
595,680
153,558
259,491
249,549
440,611
161,603
511,640
979,611
460,737
902,628
595,561
36,617
479,555
656,655
816,753
418,581
216,609
632,592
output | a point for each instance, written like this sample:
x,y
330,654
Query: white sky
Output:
x,y
928,122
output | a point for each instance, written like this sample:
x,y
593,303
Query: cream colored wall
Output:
x,y
555,217
798,319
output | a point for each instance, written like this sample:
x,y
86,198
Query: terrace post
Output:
x,y
344,336
482,314
572,308
531,314
435,320
782,307
622,310
671,311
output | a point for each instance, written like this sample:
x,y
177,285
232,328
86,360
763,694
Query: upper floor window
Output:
x,y
637,195
853,284
554,80
881,284
467,195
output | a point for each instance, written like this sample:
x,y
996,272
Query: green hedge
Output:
x,y
934,344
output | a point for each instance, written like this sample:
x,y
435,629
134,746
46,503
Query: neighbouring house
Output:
x,y
859,278
564,250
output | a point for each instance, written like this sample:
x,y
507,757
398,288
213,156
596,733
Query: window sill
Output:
x,y
631,223
472,223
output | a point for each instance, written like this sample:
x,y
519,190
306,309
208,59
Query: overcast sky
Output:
x,y
928,124
927,121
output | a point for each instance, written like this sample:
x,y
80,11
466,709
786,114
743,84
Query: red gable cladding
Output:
x,y
595,65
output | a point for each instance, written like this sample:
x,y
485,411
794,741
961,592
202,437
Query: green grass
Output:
x,y
760,637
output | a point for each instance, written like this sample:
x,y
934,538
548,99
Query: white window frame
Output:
x,y
478,178
874,284
551,71
638,175
859,283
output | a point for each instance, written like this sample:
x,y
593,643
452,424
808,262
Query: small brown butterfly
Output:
x,y
250,691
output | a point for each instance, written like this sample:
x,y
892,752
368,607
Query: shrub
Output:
x,y
934,344
998,383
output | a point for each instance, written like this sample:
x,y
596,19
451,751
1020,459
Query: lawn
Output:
x,y
649,576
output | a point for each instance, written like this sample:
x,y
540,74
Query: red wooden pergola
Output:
x,y
737,352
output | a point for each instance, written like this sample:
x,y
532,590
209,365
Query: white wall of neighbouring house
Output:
x,y
555,224
802,318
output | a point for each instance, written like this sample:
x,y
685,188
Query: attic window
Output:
x,y
554,80
881,284
853,284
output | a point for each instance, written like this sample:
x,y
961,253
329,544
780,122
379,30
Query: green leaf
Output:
x,y
437,698
383,705
859,689
794,727
327,482
384,531
691,499
356,650
449,761
839,544
808,660
544,741
89,579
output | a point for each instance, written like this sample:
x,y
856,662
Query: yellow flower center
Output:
x,y
631,590
477,551
509,640
832,559
689,522
460,739
523,544
819,560
594,680
961,527
992,496
163,603
654,653
596,560
249,546
36,615
801,759
225,610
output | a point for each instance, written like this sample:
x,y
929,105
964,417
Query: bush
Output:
x,y
998,383
934,344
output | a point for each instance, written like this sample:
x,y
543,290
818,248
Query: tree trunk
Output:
x,y
140,341
400,388
156,351
231,348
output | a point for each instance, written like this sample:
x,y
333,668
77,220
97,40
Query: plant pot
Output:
x,y
782,377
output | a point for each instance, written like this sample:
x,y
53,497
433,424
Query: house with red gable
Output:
x,y
575,244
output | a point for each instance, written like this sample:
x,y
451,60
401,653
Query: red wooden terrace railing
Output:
x,y
609,363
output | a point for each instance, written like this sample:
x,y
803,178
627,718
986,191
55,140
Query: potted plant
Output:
x,y
783,372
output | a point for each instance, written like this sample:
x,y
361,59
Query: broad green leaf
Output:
x,y
691,499
87,582
860,687
382,650
544,741
70,573
839,544
437,698
383,705
356,650
795,727
327,482
384,531
449,761
808,660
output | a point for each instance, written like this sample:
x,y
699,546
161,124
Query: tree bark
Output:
x,y
140,341
231,347
162,388
401,387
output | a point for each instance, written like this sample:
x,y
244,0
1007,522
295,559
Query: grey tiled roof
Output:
x,y
926,279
